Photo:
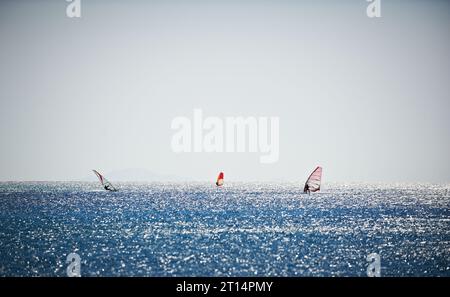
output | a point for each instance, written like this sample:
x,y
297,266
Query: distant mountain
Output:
x,y
137,175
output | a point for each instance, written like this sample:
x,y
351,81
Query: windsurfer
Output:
x,y
105,183
219,181
313,182
306,189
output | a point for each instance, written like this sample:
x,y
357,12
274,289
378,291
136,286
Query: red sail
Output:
x,y
314,180
219,181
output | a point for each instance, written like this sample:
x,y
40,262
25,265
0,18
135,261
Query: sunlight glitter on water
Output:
x,y
242,229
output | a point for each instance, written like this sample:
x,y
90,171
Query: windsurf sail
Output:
x,y
313,182
219,181
105,183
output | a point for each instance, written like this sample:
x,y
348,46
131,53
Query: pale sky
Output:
x,y
366,98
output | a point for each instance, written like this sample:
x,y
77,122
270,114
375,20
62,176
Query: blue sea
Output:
x,y
241,229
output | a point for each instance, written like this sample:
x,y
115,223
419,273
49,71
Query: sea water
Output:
x,y
241,229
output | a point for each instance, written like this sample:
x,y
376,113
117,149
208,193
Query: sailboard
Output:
x,y
105,183
313,182
219,181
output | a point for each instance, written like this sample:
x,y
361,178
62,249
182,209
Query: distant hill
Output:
x,y
136,175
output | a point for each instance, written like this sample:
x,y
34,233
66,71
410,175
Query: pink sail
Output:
x,y
314,180
105,183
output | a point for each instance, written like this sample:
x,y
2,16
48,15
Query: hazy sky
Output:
x,y
368,99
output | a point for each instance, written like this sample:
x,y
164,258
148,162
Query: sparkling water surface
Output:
x,y
241,229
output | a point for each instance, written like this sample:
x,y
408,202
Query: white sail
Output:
x,y
313,182
105,183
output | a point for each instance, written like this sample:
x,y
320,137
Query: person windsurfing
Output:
x,y
105,183
219,181
313,182
306,189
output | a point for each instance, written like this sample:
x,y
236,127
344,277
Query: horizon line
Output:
x,y
228,181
